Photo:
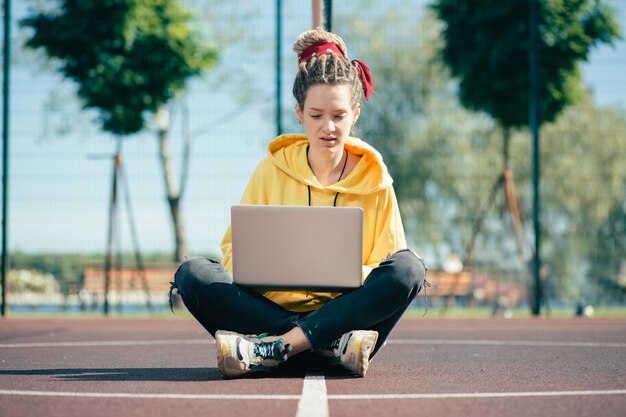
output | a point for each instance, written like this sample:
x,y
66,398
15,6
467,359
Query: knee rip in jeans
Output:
x,y
426,284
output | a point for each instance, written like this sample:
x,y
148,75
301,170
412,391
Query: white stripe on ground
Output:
x,y
151,396
111,343
122,395
473,395
314,400
501,343
459,342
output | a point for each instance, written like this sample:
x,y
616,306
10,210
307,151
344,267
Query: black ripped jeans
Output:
x,y
208,292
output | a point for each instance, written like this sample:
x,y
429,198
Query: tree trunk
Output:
x,y
510,197
173,195
179,233
318,13
512,204
506,181
480,219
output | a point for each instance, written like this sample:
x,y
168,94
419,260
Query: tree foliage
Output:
x,y
487,48
440,155
128,57
606,260
444,158
584,182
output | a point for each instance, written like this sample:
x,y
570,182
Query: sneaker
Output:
x,y
239,354
352,350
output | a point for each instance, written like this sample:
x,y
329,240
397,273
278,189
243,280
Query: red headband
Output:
x,y
333,48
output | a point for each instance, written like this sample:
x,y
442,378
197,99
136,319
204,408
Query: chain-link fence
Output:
x,y
61,164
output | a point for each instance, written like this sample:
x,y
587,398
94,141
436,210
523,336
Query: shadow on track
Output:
x,y
296,367
124,374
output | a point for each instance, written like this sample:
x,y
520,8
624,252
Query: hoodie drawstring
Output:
x,y
340,176
334,201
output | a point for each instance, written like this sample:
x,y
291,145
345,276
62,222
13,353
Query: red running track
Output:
x,y
431,367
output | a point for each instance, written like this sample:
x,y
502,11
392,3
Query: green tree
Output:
x,y
607,263
443,158
128,58
439,153
487,47
583,189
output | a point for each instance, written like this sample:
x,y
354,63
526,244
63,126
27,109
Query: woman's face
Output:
x,y
327,117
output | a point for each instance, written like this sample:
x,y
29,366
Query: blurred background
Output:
x,y
463,170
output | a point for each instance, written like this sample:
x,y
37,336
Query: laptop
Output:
x,y
297,247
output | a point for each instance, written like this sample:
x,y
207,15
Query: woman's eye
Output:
x,y
315,116
340,116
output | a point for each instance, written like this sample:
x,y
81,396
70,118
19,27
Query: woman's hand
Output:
x,y
366,272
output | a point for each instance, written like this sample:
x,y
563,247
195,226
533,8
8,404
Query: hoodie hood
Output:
x,y
288,153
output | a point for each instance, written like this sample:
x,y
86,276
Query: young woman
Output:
x,y
324,167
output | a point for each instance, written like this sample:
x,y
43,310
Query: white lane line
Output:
x,y
313,405
314,400
474,395
459,342
150,396
463,342
111,343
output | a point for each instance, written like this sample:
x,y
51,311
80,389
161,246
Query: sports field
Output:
x,y
431,367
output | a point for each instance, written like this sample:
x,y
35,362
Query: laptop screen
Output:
x,y
297,247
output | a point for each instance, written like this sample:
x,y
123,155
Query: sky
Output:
x,y
61,165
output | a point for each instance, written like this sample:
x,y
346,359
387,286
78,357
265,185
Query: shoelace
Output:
x,y
272,350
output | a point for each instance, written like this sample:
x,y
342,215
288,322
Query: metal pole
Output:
x,y
5,153
534,124
108,262
328,15
317,9
279,18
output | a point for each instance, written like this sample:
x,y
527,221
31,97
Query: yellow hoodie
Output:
x,y
282,179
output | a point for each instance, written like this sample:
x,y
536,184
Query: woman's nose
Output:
x,y
329,125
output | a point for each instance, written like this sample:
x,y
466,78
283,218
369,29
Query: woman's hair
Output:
x,y
329,69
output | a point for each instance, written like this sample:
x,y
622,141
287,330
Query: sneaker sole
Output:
x,y
222,350
221,347
365,350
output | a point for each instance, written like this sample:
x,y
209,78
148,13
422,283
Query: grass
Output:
x,y
486,312
159,314
412,313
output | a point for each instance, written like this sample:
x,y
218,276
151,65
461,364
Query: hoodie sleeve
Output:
x,y
254,193
389,233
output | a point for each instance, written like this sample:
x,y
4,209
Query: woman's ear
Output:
x,y
357,112
298,113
